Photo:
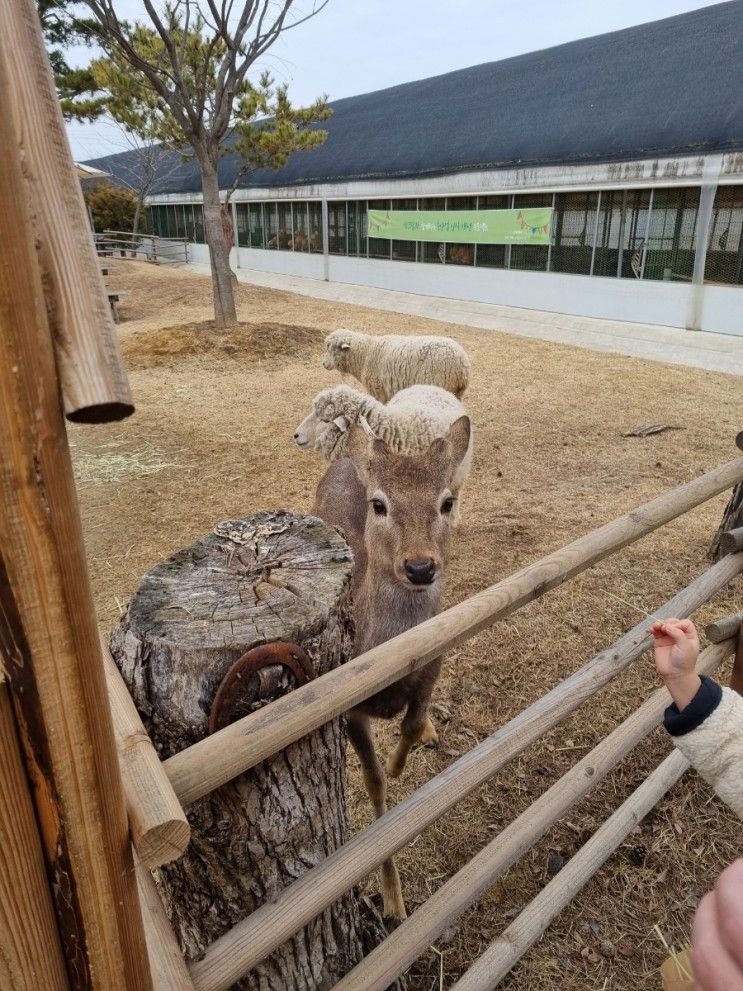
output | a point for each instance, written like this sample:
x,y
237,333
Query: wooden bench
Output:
x,y
113,299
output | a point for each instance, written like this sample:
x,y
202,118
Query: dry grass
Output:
x,y
550,464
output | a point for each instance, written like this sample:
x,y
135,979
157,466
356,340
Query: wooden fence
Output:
x,y
147,247
98,782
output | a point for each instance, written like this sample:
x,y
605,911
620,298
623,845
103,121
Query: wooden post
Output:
x,y
52,652
526,929
224,627
91,371
250,940
157,822
469,884
30,952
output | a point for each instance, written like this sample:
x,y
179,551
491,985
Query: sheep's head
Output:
x,y
337,346
314,434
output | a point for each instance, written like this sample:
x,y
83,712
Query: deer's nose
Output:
x,y
296,436
421,572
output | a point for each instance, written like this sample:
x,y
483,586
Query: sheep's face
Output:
x,y
337,346
305,435
313,434
411,505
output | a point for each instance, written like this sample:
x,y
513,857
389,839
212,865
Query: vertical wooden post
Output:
x,y
91,373
736,675
50,639
30,951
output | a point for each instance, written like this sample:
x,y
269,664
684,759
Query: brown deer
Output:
x,y
397,512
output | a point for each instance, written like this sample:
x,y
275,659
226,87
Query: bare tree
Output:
x,y
150,162
189,69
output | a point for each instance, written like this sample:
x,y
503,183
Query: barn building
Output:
x,y
634,138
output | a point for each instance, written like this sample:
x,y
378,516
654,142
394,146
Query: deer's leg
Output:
x,y
416,725
375,782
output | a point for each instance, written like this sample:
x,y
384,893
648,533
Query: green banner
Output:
x,y
530,225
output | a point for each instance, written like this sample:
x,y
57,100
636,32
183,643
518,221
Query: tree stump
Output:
x,y
732,516
270,577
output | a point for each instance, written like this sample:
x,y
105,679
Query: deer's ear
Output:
x,y
359,449
459,437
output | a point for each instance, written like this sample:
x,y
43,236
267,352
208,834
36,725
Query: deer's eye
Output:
x,y
379,507
447,505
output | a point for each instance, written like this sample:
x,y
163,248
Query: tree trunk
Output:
x,y
225,314
271,577
137,213
732,518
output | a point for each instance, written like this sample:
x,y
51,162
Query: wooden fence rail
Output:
x,y
161,250
231,956
468,885
723,629
508,949
157,823
217,759
169,971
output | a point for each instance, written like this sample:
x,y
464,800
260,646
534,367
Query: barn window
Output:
x,y
379,247
725,246
530,257
669,253
573,228
337,228
255,225
315,214
492,255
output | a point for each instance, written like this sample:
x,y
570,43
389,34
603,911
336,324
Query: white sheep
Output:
x,y
386,365
408,423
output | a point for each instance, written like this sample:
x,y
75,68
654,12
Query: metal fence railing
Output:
x,y
147,247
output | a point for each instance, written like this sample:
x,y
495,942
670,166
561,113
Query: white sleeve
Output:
x,y
715,749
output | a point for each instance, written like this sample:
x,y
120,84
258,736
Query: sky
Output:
x,y
356,46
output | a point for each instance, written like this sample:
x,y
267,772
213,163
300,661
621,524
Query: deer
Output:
x,y
398,513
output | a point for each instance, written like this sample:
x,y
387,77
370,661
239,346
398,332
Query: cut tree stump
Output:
x,y
271,577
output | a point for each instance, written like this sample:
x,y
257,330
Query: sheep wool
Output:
x,y
385,365
408,424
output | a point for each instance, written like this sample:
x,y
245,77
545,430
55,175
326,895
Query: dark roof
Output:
x,y
671,87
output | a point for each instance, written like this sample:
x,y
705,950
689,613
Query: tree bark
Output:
x,y
225,314
271,577
732,518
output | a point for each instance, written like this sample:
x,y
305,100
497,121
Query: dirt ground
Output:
x,y
212,439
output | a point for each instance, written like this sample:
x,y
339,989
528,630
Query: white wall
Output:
x,y
666,303
722,310
283,262
663,303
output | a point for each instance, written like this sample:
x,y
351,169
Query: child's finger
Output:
x,y
687,626
676,634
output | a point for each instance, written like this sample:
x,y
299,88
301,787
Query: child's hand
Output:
x,y
676,648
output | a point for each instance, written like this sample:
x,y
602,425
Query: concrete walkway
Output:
x,y
715,352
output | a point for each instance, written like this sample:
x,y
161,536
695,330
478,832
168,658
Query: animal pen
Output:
x,y
87,806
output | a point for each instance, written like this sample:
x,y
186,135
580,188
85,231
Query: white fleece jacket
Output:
x,y
709,733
